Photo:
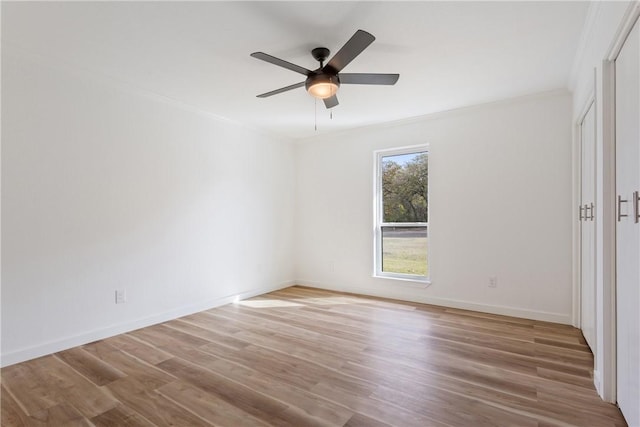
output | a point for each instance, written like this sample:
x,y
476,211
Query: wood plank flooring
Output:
x,y
307,357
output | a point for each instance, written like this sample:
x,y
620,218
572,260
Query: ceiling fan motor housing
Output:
x,y
320,77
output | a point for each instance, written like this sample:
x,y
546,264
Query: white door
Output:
x,y
587,228
627,92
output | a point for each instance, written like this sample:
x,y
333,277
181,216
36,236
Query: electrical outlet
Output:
x,y
493,281
121,296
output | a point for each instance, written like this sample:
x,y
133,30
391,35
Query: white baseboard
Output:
x,y
50,347
446,302
597,382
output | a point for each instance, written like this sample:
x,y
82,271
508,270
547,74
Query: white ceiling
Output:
x,y
448,54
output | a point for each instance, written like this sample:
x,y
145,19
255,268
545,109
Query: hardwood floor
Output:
x,y
306,357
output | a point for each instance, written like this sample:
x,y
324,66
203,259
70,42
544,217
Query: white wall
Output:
x,y
603,22
104,188
500,204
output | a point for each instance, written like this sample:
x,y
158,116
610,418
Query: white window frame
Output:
x,y
378,217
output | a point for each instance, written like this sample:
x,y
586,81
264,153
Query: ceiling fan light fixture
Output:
x,y
323,90
322,86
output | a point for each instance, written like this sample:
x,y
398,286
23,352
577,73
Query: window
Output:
x,y
402,213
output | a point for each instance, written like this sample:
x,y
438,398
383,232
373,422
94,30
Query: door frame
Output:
x,y
606,380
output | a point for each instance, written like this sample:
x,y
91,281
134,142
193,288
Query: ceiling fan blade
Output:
x,y
281,63
352,48
282,89
368,79
331,102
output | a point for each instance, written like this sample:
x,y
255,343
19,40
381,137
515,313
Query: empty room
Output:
x,y
339,213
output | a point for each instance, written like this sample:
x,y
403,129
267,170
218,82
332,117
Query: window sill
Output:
x,y
405,281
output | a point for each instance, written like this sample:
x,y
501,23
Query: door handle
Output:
x,y
620,202
636,206
586,212
581,208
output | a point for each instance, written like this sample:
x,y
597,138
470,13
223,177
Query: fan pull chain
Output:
x,y
315,114
331,114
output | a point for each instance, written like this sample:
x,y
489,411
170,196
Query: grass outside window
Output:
x,y
404,250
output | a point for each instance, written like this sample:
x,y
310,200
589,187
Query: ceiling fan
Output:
x,y
323,83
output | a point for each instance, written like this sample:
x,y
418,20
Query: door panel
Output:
x,y
587,229
627,228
